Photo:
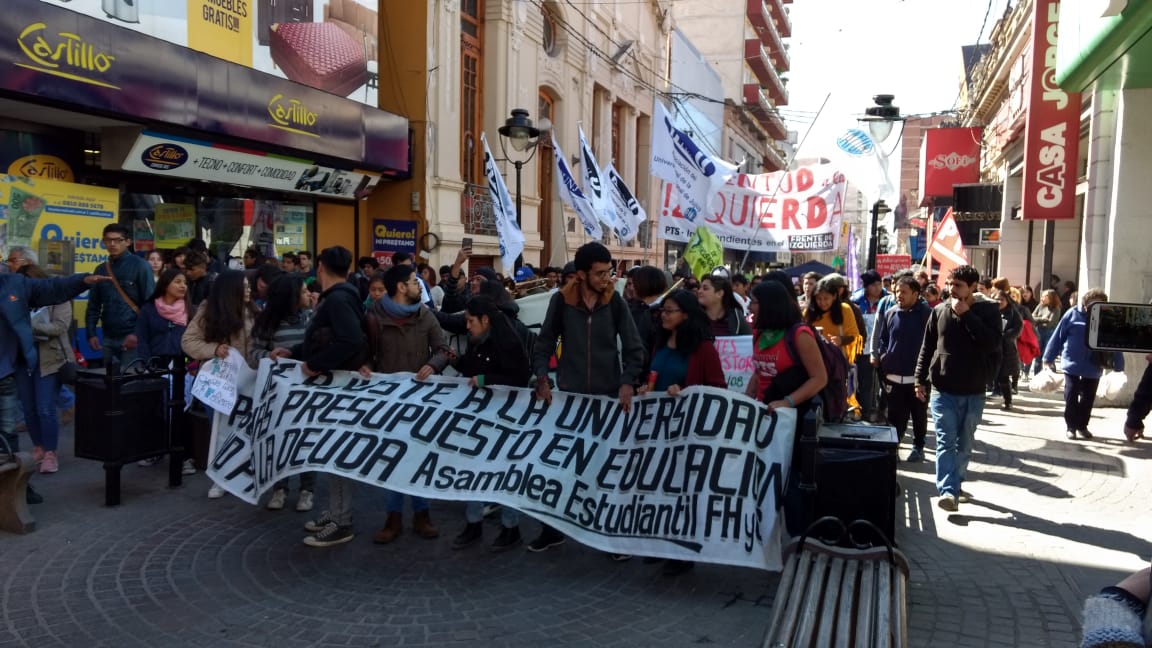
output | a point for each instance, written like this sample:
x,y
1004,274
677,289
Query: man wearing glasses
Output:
x,y
115,303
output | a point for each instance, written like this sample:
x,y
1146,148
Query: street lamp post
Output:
x,y
880,119
522,135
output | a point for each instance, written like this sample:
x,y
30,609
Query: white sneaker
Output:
x,y
304,502
276,502
189,468
150,461
216,492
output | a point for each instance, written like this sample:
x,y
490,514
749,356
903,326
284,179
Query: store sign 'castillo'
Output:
x,y
65,55
1052,135
292,115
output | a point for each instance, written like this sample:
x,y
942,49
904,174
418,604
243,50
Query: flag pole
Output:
x,y
787,163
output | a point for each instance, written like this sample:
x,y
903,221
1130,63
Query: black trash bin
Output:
x,y
126,417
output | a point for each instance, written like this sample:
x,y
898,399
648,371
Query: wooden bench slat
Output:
x,y
845,610
884,606
779,605
833,590
809,620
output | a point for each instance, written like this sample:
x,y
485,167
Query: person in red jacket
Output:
x,y
683,356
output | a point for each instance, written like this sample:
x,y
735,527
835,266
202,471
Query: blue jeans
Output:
x,y
67,399
474,512
38,394
115,347
9,406
956,417
394,502
1044,334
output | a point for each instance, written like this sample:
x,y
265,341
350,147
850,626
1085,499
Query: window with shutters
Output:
x,y
471,98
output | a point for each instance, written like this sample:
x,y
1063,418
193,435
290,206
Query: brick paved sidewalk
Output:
x,y
1054,520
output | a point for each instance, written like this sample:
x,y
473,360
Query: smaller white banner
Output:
x,y
178,157
736,360
216,381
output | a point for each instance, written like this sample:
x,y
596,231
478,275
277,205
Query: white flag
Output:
x,y
595,186
676,159
572,196
865,165
628,209
511,238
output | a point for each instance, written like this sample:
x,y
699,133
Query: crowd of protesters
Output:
x,y
912,349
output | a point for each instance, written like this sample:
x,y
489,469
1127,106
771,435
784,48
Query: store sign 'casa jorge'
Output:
x,y
1052,133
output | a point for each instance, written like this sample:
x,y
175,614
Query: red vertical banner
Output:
x,y
1052,133
947,248
949,156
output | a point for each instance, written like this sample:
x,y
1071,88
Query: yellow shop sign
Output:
x,y
48,167
292,115
64,54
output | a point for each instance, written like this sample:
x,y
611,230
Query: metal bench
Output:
x,y
840,596
15,470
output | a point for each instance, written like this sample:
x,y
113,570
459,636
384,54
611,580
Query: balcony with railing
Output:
x,y
773,161
783,20
758,61
761,19
761,108
476,211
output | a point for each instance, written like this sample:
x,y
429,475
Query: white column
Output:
x,y
1128,263
1099,197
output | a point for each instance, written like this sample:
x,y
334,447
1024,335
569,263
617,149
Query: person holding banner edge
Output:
x,y
590,316
494,357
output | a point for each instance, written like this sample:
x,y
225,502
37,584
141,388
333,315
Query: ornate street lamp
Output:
x,y
522,135
880,119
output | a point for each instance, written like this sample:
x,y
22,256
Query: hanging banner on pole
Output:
x,y
572,196
595,187
947,248
796,210
697,476
504,210
677,160
631,214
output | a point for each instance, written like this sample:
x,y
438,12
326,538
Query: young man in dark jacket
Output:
x,y
336,339
107,304
590,316
960,350
899,336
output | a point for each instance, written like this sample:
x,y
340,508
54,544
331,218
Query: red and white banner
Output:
x,y
1052,133
949,156
749,213
947,248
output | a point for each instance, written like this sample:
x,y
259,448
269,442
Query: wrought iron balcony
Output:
x,y
476,210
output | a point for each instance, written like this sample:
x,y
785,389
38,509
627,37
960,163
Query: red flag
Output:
x,y
947,248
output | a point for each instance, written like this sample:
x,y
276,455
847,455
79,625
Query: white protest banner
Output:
x,y
216,381
677,160
595,187
736,360
804,214
507,227
866,164
630,213
697,476
571,194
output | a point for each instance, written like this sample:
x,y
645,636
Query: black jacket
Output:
x,y
501,359
961,353
337,338
1013,325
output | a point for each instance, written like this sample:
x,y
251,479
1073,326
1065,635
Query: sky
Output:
x,y
854,49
